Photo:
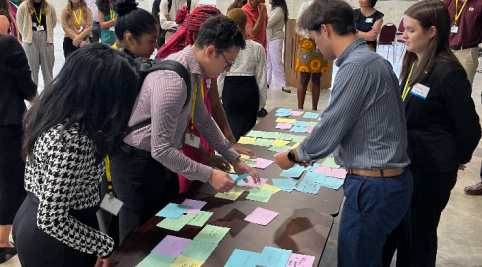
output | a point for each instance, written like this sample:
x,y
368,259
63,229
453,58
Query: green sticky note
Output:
x,y
313,123
272,135
299,138
261,195
199,250
156,260
263,142
286,137
274,149
285,148
176,224
256,134
211,234
200,218
330,162
250,162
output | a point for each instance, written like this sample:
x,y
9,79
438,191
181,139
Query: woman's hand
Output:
x,y
104,262
219,162
75,43
83,43
243,150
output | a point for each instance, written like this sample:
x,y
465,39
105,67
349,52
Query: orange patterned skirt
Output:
x,y
308,59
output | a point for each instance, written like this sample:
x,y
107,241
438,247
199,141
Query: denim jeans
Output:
x,y
372,209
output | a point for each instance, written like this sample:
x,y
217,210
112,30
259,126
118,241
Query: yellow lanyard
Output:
x,y
194,100
460,12
80,17
406,88
112,14
38,19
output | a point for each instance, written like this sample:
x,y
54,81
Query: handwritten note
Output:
x,y
156,260
284,110
172,211
322,169
263,142
301,123
298,260
284,126
271,135
286,137
337,173
270,187
200,218
261,216
274,257
298,129
199,250
296,113
243,258
251,183
279,114
330,162
262,163
176,224
261,195
182,261
172,246
308,187
314,177
312,168
247,140
286,185
255,134
280,143
310,115
299,138
294,172
333,183
285,120
196,205
211,234
232,194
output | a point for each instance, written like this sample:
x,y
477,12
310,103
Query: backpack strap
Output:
x,y
166,65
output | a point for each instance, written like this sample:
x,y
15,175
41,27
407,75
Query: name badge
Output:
x,y
454,29
192,140
208,83
369,20
40,28
420,90
112,28
34,24
80,29
111,204
471,9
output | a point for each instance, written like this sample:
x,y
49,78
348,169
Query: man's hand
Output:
x,y
283,161
243,150
242,168
261,10
221,181
219,162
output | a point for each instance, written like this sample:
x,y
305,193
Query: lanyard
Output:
x,y
112,14
457,16
406,88
39,19
107,172
80,17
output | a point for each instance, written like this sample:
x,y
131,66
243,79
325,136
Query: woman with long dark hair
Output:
x,y
368,22
77,23
443,130
107,19
277,18
69,130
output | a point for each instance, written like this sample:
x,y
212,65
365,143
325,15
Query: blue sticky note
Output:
x,y
283,110
285,184
308,187
281,114
333,183
312,168
241,177
242,258
314,177
294,172
274,257
299,129
172,211
310,115
301,123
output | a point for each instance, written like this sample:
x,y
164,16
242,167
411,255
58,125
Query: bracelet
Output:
x,y
233,143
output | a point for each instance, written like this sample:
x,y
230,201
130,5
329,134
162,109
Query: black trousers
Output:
x,y
68,46
415,238
12,169
241,103
144,185
36,248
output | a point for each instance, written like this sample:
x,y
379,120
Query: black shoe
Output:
x,y
287,90
262,113
7,253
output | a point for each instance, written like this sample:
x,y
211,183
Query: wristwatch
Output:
x,y
291,156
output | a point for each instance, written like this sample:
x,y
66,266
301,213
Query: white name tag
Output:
x,y
111,204
80,29
112,28
40,28
192,140
420,90
454,29
208,83
471,9
369,20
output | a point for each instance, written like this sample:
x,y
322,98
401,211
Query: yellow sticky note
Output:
x,y
289,121
269,187
247,140
244,157
182,261
231,170
280,120
295,145
233,194
279,143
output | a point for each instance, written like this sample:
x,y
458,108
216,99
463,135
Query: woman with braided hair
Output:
x,y
187,35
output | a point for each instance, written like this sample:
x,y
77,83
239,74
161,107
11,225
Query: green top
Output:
x,y
107,36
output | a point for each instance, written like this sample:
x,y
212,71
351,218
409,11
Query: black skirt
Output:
x,y
241,103
69,47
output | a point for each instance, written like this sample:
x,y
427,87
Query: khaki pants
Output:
x,y
469,60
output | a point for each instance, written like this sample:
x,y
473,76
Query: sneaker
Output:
x,y
262,113
6,254
474,189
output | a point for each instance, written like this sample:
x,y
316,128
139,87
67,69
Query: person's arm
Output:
x,y
260,74
88,26
220,83
53,14
4,24
461,109
23,73
22,10
105,24
372,35
275,17
166,24
220,118
254,29
61,181
72,34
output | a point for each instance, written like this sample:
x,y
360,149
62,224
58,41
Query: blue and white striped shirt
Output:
x,y
364,124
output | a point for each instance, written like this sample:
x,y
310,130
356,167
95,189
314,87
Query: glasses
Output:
x,y
229,65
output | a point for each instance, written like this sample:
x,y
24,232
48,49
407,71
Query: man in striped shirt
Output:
x,y
257,19
364,125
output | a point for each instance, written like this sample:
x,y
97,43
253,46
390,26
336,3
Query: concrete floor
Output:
x,y
460,243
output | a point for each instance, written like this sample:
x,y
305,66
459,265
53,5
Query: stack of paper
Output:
x,y
336,173
286,185
301,123
261,216
270,187
172,246
283,112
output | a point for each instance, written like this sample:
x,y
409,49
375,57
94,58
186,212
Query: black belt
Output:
x,y
135,151
462,47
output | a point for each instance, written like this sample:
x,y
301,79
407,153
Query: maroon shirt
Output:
x,y
469,22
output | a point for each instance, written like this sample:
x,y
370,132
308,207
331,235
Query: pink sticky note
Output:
x,y
195,205
296,113
309,129
261,216
298,260
319,119
324,170
284,126
338,173
282,151
251,183
172,246
262,163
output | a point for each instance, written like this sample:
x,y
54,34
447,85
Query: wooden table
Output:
x,y
303,224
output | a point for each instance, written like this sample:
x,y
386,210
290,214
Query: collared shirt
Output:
x,y
176,4
300,31
364,124
469,22
253,16
162,97
93,8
